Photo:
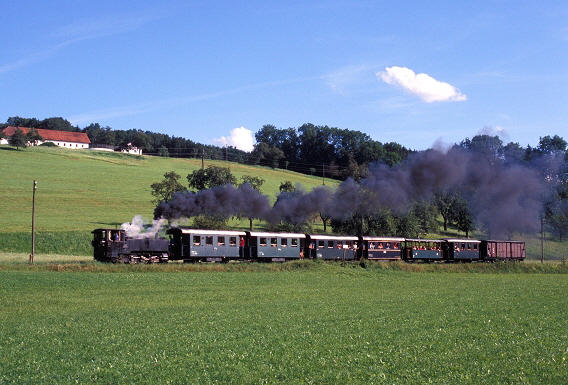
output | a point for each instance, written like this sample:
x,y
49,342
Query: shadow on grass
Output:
x,y
10,149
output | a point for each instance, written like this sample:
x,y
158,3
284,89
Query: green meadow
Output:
x,y
78,191
67,319
293,323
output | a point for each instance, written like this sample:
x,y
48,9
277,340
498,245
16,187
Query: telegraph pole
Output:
x,y
542,240
33,223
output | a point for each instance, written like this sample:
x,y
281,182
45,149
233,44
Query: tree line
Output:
x,y
499,189
313,150
346,154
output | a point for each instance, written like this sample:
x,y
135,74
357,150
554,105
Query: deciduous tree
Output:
x,y
164,190
210,177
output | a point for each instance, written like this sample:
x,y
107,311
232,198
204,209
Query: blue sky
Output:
x,y
419,73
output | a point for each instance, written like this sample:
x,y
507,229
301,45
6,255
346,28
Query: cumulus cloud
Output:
x,y
240,138
422,85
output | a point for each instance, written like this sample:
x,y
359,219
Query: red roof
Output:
x,y
52,135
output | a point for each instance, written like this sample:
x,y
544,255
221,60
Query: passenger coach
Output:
x,y
274,247
381,248
191,245
332,247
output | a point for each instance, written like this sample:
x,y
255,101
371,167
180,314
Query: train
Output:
x,y
195,245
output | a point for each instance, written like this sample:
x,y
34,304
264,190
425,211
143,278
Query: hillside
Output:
x,y
82,190
79,191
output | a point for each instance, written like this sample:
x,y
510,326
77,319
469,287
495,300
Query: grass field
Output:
x,y
294,323
79,191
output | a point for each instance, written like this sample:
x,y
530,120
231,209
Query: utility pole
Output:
x,y
203,158
33,223
323,174
542,240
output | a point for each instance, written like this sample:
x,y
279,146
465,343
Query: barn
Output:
x,y
67,139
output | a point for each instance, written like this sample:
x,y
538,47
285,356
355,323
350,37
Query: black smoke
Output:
x,y
222,202
504,198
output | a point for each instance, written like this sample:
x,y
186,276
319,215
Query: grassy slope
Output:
x,y
82,190
79,191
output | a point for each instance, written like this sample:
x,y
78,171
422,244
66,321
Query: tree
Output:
x,y
18,139
408,225
18,121
287,186
463,218
426,212
100,135
555,145
57,123
381,223
253,181
163,152
272,155
33,137
490,147
446,202
556,210
164,190
210,177
209,222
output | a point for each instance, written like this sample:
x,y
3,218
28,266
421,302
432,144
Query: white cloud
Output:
x,y
240,138
422,85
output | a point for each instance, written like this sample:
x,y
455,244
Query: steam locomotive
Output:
x,y
193,245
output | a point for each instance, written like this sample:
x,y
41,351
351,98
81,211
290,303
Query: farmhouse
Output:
x,y
74,140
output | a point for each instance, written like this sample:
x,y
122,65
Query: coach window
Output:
x,y
233,241
294,242
273,242
396,245
339,244
262,241
349,244
475,247
196,240
330,244
284,242
221,241
321,244
209,240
